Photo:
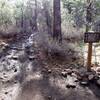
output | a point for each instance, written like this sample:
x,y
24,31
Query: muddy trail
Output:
x,y
24,76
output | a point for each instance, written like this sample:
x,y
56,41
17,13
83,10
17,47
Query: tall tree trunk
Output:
x,y
33,22
48,17
88,15
36,15
57,20
22,15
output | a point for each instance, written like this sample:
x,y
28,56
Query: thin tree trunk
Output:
x,y
33,22
35,16
48,18
57,20
22,18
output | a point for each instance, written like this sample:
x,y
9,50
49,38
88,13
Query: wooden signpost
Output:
x,y
91,37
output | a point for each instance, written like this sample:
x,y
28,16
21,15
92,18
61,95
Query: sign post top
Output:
x,y
92,37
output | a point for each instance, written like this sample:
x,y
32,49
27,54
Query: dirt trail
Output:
x,y
22,78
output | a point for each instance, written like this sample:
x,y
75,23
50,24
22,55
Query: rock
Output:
x,y
96,77
84,77
74,75
68,71
31,51
76,80
32,57
1,78
15,70
98,69
15,82
4,73
84,80
91,77
71,85
67,86
6,92
84,83
79,77
49,71
64,74
15,57
49,98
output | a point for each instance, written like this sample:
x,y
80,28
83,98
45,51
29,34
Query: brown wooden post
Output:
x,y
90,38
88,27
89,58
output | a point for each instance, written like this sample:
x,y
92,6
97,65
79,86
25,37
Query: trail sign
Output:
x,y
91,37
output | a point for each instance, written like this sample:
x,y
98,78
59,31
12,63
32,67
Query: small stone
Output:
x,y
4,73
64,74
98,69
6,92
96,77
67,86
15,57
71,85
84,83
32,57
49,98
15,82
68,71
74,75
79,77
15,70
49,71
76,80
1,78
91,77
8,81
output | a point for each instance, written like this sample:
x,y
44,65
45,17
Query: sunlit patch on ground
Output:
x,y
35,75
10,93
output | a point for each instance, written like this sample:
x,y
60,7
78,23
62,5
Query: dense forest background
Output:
x,y
25,17
29,15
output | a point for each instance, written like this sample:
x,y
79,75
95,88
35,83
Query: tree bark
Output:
x,y
22,18
57,20
88,27
34,18
48,18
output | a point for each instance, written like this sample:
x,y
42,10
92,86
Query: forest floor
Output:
x,y
32,77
